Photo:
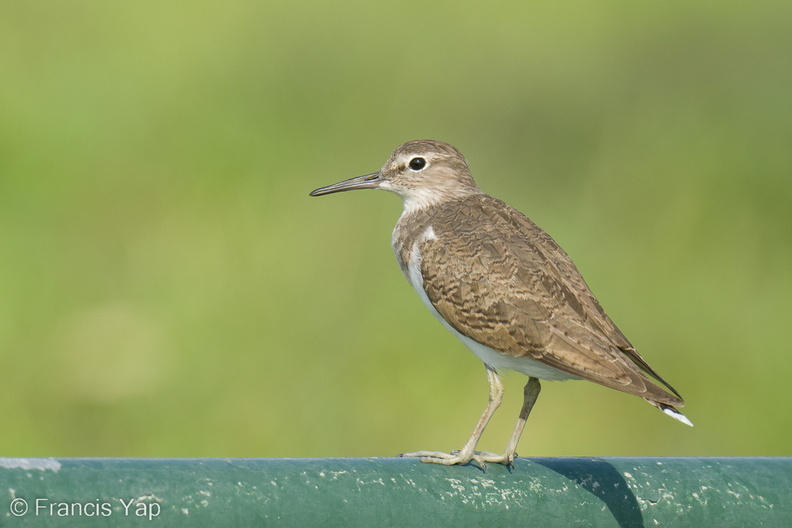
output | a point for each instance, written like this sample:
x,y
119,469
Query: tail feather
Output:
x,y
672,412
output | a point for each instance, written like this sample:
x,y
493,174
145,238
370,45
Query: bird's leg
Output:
x,y
468,453
531,393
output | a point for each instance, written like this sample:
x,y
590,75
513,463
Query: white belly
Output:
x,y
494,359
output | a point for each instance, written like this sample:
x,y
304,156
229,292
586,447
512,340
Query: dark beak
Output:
x,y
368,181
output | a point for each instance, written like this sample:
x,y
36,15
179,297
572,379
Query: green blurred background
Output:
x,y
168,288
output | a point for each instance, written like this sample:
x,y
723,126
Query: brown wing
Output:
x,y
546,311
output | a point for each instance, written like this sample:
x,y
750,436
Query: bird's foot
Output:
x,y
507,458
460,457
440,457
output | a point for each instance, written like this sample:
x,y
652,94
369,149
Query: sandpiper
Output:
x,y
504,288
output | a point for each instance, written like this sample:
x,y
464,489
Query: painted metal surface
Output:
x,y
544,492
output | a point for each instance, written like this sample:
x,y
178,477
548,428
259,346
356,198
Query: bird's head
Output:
x,y
422,172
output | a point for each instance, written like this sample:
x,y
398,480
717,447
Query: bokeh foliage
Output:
x,y
167,288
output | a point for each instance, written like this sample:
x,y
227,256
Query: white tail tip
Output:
x,y
676,415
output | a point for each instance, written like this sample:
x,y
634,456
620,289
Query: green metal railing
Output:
x,y
542,492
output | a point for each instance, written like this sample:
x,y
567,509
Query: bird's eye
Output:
x,y
417,164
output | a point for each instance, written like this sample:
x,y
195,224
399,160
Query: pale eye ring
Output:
x,y
417,163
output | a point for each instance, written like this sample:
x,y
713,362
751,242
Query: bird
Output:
x,y
504,288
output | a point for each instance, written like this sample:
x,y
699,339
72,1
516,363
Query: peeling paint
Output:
x,y
41,464
148,498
